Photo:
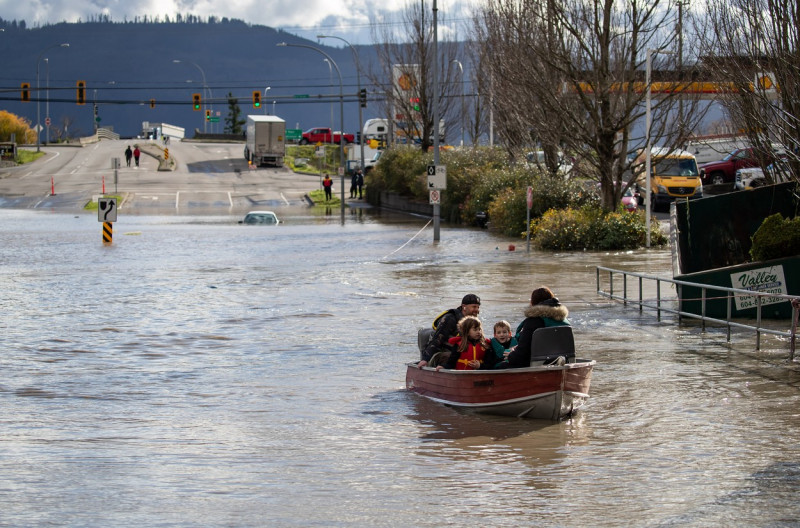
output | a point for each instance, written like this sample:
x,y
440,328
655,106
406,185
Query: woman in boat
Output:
x,y
544,310
472,350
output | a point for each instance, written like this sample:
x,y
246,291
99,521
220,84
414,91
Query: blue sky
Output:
x,y
306,18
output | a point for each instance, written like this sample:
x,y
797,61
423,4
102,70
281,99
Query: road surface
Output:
x,y
210,178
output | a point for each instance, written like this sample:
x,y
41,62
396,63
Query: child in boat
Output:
x,y
503,343
472,350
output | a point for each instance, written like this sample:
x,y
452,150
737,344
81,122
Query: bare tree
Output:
x,y
569,74
406,74
753,46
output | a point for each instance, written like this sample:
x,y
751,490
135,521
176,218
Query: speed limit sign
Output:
x,y
435,197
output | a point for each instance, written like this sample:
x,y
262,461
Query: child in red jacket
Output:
x,y
471,352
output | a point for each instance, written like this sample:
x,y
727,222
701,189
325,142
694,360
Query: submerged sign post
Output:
x,y
107,214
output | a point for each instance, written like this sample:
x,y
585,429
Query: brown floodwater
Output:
x,y
197,372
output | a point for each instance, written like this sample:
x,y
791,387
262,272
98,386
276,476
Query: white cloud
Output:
x,y
306,17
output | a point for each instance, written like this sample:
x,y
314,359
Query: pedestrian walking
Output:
x,y
136,154
128,155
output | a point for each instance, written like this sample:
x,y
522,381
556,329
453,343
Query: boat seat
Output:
x,y
550,342
423,337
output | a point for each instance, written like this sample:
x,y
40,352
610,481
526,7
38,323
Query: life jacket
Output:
x,y
473,351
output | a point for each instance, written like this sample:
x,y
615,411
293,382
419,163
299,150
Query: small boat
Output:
x,y
541,391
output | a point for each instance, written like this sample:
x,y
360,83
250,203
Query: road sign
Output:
x,y
213,119
320,151
301,96
47,121
435,197
437,177
294,134
530,197
106,209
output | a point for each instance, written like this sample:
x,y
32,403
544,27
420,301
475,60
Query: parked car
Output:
x,y
313,136
674,176
260,218
724,170
536,159
778,170
630,199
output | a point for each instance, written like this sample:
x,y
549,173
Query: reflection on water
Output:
x,y
202,373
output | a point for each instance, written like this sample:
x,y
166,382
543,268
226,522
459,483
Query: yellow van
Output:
x,y
674,174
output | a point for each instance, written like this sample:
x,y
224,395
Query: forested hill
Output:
x,y
126,64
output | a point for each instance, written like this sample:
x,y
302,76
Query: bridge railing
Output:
x,y
661,295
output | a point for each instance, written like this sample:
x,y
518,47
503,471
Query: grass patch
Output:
x,y
92,204
319,198
27,156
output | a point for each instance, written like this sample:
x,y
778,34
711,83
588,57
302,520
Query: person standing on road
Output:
x,y
327,184
353,184
128,155
136,154
360,183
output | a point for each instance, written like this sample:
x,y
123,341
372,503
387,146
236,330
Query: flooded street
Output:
x,y
198,372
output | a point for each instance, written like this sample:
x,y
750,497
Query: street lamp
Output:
x,y
649,148
265,96
38,96
206,102
358,79
47,102
461,69
341,110
330,72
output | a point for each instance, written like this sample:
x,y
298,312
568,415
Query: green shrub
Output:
x,y
591,228
483,179
776,238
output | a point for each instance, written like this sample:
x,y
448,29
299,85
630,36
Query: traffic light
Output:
x,y
208,115
415,103
80,93
26,92
362,97
256,99
152,103
196,102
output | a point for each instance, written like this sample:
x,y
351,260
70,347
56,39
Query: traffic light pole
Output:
x,y
436,206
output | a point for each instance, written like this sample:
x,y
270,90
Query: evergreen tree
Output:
x,y
234,121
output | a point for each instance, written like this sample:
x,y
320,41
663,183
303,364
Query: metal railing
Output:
x,y
660,303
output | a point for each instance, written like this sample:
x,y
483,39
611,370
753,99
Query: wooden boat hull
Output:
x,y
545,392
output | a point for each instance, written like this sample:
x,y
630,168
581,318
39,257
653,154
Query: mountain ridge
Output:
x,y
126,64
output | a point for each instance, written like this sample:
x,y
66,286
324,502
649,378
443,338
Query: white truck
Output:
x,y
266,140
398,131
371,156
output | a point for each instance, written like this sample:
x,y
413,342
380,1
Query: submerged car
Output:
x,y
260,218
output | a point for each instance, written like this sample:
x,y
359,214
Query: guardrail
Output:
x,y
652,285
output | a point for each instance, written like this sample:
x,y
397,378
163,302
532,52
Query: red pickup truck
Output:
x,y
724,171
324,135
